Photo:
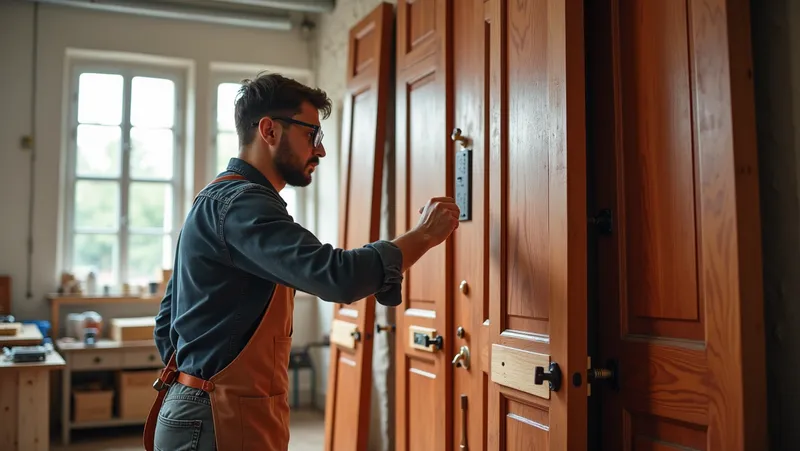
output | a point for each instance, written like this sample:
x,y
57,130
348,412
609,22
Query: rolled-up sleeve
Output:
x,y
262,239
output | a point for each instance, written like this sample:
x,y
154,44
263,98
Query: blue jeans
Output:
x,y
185,422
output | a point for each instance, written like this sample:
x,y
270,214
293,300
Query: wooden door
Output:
x,y
424,169
347,409
537,225
470,304
679,268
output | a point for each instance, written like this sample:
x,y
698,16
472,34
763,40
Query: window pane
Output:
x,y
145,258
98,254
227,148
152,153
100,99
96,205
168,254
226,98
150,206
289,194
99,151
152,102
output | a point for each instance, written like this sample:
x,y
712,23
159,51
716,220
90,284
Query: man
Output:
x,y
225,323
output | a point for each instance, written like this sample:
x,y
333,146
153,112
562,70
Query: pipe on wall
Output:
x,y
308,6
180,13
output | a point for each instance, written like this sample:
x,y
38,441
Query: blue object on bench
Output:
x,y
44,328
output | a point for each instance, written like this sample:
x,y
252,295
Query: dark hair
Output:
x,y
273,94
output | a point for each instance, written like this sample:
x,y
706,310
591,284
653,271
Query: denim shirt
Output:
x,y
236,243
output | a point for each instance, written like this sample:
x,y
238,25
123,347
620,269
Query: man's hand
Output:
x,y
439,217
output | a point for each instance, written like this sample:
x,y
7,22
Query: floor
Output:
x,y
307,432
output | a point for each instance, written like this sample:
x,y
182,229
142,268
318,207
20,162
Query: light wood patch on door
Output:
x,y
342,334
515,368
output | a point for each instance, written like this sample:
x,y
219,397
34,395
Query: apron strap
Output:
x,y
162,384
223,178
195,382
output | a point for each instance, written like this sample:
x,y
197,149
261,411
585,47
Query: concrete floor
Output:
x,y
307,434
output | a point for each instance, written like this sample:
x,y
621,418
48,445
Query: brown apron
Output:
x,y
249,397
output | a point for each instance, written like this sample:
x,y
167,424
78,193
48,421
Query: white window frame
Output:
x,y
128,70
235,73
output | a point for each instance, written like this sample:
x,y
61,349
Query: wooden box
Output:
x,y
136,393
5,295
92,405
10,329
132,329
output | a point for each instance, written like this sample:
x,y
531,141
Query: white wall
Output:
x,y
59,29
330,59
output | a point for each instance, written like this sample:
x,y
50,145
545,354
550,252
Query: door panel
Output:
x,y
423,170
470,307
679,275
364,135
537,225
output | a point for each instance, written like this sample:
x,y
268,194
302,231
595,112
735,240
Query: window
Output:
x,y
226,142
124,158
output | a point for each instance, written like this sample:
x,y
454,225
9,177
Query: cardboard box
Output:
x,y
92,405
136,393
133,329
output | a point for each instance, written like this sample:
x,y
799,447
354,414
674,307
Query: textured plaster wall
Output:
x,y
329,58
776,43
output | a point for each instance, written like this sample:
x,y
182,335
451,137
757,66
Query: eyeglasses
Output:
x,y
316,136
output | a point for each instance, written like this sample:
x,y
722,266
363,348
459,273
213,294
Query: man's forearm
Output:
x,y
262,239
413,244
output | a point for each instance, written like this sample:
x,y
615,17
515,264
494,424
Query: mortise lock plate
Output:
x,y
463,181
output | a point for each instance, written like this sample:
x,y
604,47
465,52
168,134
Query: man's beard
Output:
x,y
290,167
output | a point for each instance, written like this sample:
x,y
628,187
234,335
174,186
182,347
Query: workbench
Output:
x,y
106,355
25,403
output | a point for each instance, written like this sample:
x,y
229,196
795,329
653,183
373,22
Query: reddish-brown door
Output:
x,y
675,191
537,225
470,305
423,343
486,111
347,409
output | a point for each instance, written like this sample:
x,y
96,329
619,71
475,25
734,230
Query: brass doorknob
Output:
x,y
456,136
462,358
463,287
